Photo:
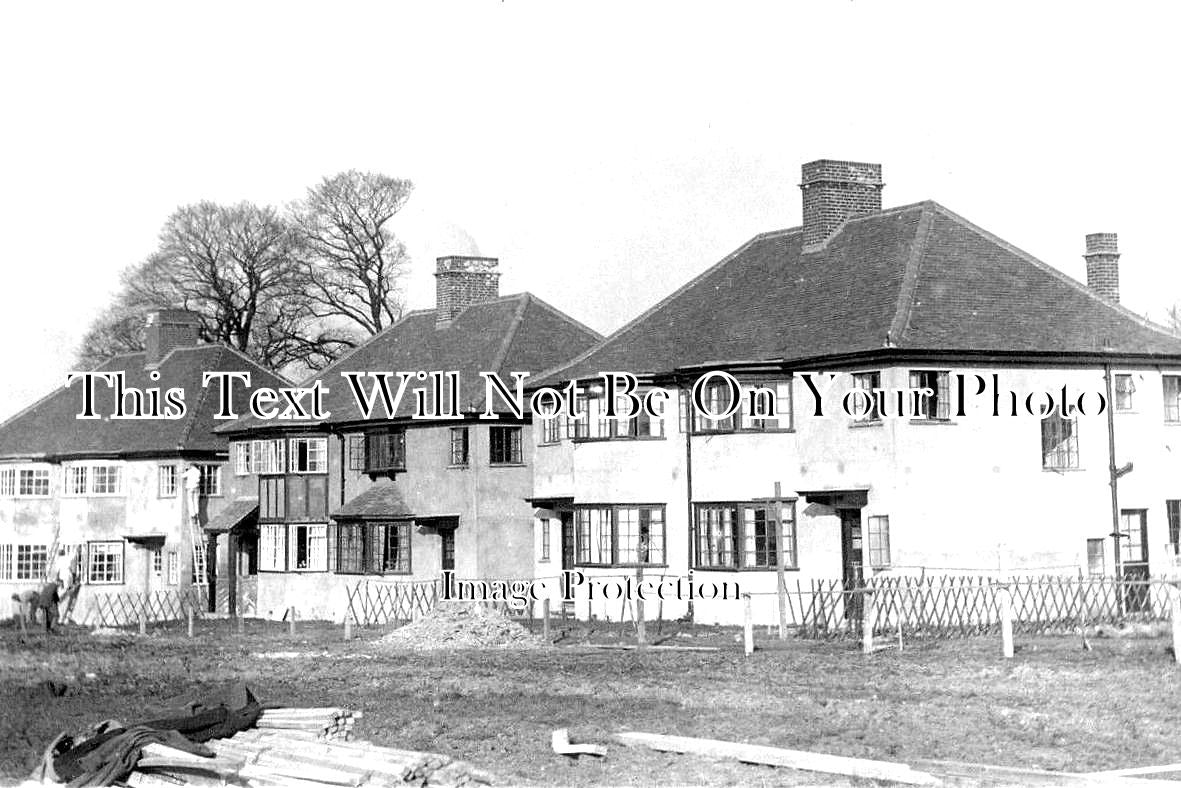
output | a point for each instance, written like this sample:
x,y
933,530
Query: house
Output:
x,y
356,496
113,490
838,323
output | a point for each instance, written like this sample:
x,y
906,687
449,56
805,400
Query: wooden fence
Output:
x,y
121,609
960,606
401,601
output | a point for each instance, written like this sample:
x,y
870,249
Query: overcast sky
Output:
x,y
605,152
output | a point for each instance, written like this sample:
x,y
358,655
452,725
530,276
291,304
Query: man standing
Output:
x,y
65,576
193,489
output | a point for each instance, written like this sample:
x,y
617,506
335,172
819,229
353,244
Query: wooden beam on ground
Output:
x,y
983,774
1138,770
560,741
775,756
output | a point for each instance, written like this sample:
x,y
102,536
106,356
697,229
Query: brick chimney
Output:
x,y
1103,265
461,281
167,329
834,192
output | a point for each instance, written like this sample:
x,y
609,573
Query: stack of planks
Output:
x,y
328,723
303,748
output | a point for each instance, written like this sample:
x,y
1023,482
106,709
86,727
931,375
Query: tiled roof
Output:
x,y
49,429
233,515
517,333
381,500
917,277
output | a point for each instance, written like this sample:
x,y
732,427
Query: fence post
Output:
x,y
291,621
241,623
867,617
1176,621
1006,599
641,631
545,619
348,626
189,616
748,639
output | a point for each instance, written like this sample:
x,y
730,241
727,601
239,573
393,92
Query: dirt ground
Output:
x,y
1055,706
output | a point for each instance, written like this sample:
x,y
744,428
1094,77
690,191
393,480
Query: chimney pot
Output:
x,y
1103,265
461,281
835,192
166,330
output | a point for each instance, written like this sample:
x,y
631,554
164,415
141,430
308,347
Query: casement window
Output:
x,y
31,561
1172,387
105,563
385,450
372,548
594,424
552,429
1173,510
459,446
622,535
356,452
868,382
7,568
579,426
879,541
272,547
545,540
173,568
504,445
767,396
18,482
936,407
308,548
261,456
1125,387
1096,558
241,458
309,455
743,535
1133,541
158,561
293,498
167,479
93,479
210,484
1059,442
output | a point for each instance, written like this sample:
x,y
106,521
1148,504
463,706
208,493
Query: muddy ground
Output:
x,y
1055,706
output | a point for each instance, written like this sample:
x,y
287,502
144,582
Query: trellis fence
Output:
x,y
961,606
397,602
122,609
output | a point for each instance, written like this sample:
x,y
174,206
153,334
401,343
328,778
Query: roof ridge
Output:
x,y
543,304
1052,271
510,335
192,420
668,298
910,277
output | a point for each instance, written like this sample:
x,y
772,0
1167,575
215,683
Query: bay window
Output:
x,y
619,535
744,535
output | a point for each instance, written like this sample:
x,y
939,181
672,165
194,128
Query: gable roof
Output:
x,y
516,333
916,277
49,428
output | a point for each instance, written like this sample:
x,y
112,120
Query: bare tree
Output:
x,y
119,329
354,259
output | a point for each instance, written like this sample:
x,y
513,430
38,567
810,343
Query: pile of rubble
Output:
x,y
457,625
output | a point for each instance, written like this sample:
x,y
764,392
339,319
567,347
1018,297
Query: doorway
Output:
x,y
567,540
852,576
1133,546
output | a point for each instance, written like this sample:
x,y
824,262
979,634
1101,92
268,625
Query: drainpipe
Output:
x,y
688,491
1113,481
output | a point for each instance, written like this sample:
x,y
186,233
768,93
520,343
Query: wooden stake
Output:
x,y
291,620
748,640
1176,626
143,622
189,616
1006,600
641,630
867,616
545,619
348,627
241,624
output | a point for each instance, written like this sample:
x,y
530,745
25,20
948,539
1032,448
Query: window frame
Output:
x,y
362,547
315,538
1102,557
316,455
878,541
172,567
583,544
941,399
594,425
874,378
738,539
1172,410
90,474
545,547
515,445
1054,458
32,570
394,440
95,549
174,471
12,481
1124,397
462,458
209,471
